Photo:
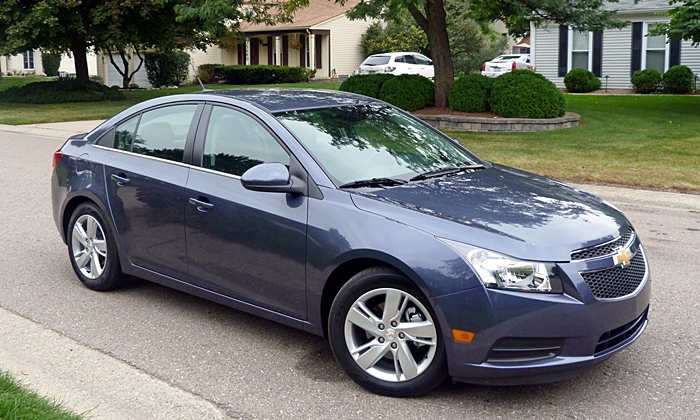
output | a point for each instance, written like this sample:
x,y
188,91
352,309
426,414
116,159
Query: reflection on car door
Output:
x,y
146,186
244,244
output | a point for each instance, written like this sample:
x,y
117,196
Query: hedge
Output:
x,y
581,81
366,84
409,92
167,68
60,91
646,81
526,94
678,79
262,74
470,93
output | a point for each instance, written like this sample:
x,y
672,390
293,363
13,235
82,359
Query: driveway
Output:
x,y
224,362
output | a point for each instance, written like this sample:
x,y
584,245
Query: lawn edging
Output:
x,y
465,123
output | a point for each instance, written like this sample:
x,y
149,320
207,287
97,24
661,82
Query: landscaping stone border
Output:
x,y
454,122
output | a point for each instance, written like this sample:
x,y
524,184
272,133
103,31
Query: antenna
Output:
x,y
197,75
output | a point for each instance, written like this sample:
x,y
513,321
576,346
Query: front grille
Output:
x,y
608,248
524,349
617,282
621,334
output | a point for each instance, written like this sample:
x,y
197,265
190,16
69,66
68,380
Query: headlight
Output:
x,y
499,271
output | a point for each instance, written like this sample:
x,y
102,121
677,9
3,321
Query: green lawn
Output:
x,y
16,114
18,403
642,141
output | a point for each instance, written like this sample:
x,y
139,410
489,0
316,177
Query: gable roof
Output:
x,y
318,11
629,6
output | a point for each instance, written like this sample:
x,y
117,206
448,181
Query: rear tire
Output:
x,y
386,336
92,249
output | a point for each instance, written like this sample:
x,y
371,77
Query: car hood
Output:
x,y
502,209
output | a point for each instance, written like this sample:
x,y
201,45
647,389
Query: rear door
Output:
x,y
145,180
245,244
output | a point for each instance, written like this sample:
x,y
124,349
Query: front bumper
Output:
x,y
528,338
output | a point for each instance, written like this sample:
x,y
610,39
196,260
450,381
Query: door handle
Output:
x,y
202,206
120,179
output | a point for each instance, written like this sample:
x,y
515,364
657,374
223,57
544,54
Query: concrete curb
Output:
x,y
88,381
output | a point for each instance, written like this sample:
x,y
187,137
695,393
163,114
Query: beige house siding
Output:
x,y
346,54
15,64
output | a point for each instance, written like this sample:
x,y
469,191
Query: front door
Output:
x,y
245,244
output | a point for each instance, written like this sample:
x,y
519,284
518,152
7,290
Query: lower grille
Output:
x,y
617,282
524,349
621,334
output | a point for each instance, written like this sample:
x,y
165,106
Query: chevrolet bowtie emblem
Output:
x,y
622,257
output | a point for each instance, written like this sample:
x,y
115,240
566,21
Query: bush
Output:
x,y
646,81
678,79
581,80
167,68
50,62
210,73
365,84
526,94
60,91
470,93
409,92
261,74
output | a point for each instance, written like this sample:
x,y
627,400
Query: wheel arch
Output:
x,y
72,203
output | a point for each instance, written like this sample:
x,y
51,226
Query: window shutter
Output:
x,y
563,50
302,51
241,54
675,53
637,34
597,54
319,56
285,50
270,41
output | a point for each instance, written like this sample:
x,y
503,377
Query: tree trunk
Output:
x,y
434,25
78,48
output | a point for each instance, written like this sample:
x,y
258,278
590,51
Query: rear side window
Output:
x,y
376,60
163,132
124,134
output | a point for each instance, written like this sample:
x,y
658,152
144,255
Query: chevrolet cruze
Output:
x,y
345,217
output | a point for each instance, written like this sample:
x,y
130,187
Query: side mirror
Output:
x,y
271,177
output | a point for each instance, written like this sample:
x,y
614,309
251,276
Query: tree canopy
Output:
x,y
684,23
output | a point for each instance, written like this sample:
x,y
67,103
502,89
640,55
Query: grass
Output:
x,y
16,114
18,403
650,141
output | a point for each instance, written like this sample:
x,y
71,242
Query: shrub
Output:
x,y
581,80
678,79
167,68
261,74
646,81
526,94
365,84
409,92
470,93
60,91
210,73
50,62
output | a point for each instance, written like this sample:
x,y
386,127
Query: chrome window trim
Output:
x,y
187,165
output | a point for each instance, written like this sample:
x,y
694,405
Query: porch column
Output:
x,y
278,51
312,51
247,51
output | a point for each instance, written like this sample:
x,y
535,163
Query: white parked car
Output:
x,y
397,63
505,63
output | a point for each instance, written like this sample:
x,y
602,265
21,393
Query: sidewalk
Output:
x,y
55,130
88,381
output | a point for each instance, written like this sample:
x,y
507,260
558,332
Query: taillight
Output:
x,y
513,67
483,68
389,69
57,156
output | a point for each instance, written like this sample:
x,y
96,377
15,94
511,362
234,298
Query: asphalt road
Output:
x,y
254,369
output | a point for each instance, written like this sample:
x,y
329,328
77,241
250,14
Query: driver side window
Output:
x,y
235,142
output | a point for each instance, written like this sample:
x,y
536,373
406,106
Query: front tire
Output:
x,y
385,335
92,250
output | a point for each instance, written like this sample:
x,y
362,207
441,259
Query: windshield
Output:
x,y
354,143
376,60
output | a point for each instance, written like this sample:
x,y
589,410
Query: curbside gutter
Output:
x,y
459,123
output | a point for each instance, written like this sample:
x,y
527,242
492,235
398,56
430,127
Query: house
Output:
x,y
320,37
29,63
615,53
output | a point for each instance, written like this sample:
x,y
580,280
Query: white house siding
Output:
x,y
111,76
346,54
617,56
68,64
690,56
545,50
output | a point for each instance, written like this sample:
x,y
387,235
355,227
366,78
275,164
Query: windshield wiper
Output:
x,y
445,170
374,182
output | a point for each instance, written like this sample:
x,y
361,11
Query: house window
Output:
x,y
655,50
581,46
28,60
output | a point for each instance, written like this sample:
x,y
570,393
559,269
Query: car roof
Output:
x,y
396,53
280,99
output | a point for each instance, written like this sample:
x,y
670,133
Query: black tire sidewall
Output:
x,y
363,282
111,276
